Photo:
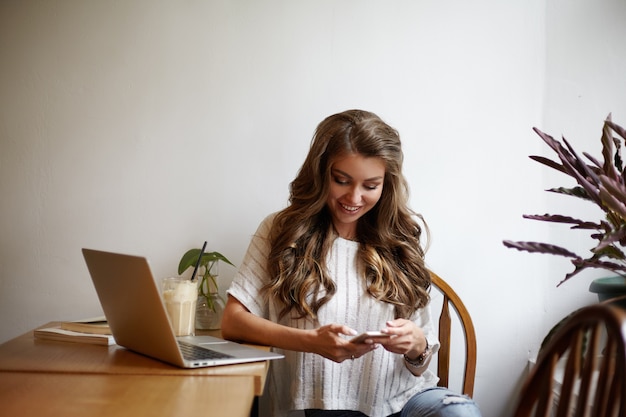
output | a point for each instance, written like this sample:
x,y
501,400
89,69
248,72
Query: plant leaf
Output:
x,y
582,264
616,128
613,195
609,251
536,247
614,236
548,162
577,191
557,218
190,258
214,256
608,150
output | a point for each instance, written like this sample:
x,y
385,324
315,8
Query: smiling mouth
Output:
x,y
350,209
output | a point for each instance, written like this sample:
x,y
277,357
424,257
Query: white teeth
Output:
x,y
349,208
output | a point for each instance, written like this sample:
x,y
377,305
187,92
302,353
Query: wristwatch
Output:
x,y
419,361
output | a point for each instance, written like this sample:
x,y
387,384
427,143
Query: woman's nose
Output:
x,y
354,195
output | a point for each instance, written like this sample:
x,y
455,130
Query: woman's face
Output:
x,y
355,187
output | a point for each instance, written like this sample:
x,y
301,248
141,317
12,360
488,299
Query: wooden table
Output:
x,y
71,394
42,377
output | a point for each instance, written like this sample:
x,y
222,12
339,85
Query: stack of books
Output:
x,y
93,331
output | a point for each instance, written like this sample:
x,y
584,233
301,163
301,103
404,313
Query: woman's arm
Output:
x,y
239,324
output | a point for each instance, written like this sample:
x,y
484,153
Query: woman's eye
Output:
x,y
341,181
371,186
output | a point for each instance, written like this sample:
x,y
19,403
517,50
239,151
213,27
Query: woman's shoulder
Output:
x,y
268,221
266,225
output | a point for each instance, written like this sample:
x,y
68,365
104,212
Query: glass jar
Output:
x,y
209,311
210,305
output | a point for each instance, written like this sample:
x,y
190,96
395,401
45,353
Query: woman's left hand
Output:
x,y
406,338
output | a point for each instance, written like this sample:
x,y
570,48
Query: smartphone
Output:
x,y
368,335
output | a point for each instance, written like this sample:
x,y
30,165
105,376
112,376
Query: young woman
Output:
x,y
344,257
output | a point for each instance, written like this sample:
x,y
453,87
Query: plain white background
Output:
x,y
148,127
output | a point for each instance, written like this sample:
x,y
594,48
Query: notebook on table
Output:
x,y
132,304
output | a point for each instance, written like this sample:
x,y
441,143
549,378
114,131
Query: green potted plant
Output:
x,y
603,184
210,304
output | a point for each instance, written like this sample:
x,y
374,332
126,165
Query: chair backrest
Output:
x,y
588,352
451,298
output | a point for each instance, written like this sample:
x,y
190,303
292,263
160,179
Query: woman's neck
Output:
x,y
348,233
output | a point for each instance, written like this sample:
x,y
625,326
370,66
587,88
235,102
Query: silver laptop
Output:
x,y
138,320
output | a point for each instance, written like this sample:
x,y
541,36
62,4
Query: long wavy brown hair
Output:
x,y
388,235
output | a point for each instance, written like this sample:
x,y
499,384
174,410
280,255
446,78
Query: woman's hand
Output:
x,y
328,342
406,338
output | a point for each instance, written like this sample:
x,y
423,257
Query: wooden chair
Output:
x,y
450,298
588,350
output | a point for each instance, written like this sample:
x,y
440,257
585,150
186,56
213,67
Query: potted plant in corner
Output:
x,y
604,184
210,304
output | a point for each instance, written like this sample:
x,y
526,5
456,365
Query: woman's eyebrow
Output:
x,y
336,171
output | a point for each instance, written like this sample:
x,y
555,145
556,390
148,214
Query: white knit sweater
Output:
x,y
377,384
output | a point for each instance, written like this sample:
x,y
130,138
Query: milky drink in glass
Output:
x,y
179,297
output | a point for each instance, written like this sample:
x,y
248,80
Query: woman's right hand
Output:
x,y
328,342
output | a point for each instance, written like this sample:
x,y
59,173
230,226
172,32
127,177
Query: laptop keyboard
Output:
x,y
193,352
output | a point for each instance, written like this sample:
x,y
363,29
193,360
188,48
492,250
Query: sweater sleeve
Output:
x,y
423,319
252,275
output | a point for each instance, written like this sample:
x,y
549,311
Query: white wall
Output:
x,y
148,127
